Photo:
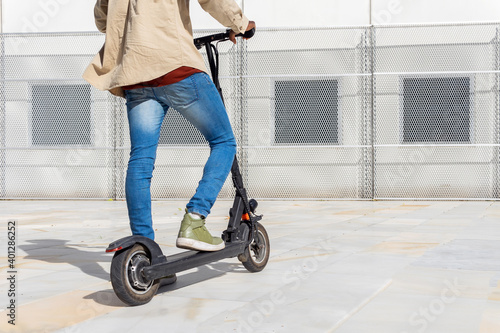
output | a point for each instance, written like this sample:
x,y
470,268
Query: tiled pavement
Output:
x,y
336,266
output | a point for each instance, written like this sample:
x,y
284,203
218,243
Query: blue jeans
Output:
x,y
197,99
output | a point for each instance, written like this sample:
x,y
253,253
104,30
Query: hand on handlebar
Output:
x,y
232,34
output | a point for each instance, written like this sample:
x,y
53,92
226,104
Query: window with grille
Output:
x,y
306,112
61,115
436,110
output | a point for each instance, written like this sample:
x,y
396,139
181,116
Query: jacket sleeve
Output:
x,y
227,12
101,15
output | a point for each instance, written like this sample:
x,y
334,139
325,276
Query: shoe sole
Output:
x,y
191,244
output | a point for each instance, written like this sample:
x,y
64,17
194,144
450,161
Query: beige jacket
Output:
x,y
146,39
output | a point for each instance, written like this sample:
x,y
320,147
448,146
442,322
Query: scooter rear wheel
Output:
x,y
127,278
256,254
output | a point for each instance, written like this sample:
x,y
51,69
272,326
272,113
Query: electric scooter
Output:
x,y
138,263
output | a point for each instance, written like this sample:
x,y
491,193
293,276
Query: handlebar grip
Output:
x,y
247,34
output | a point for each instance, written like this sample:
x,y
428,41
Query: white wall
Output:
x,y
325,13
67,15
434,11
47,15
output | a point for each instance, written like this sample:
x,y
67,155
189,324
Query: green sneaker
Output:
x,y
193,235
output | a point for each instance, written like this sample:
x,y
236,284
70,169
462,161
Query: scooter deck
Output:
x,y
190,259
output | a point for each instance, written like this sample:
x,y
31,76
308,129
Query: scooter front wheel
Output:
x,y
127,279
256,254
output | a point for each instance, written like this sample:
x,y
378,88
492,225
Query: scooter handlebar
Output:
x,y
247,34
199,42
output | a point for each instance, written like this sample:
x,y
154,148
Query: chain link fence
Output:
x,y
436,111
324,113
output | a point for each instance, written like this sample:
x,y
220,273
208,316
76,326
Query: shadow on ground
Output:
x,y
59,251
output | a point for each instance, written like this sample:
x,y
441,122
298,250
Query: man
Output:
x,y
150,59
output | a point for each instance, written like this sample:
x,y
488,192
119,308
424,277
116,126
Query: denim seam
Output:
x,y
207,78
131,92
195,89
195,86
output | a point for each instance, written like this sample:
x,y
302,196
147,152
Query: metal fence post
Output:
x,y
366,188
3,126
496,189
372,107
119,151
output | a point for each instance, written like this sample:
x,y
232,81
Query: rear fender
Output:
x,y
129,241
